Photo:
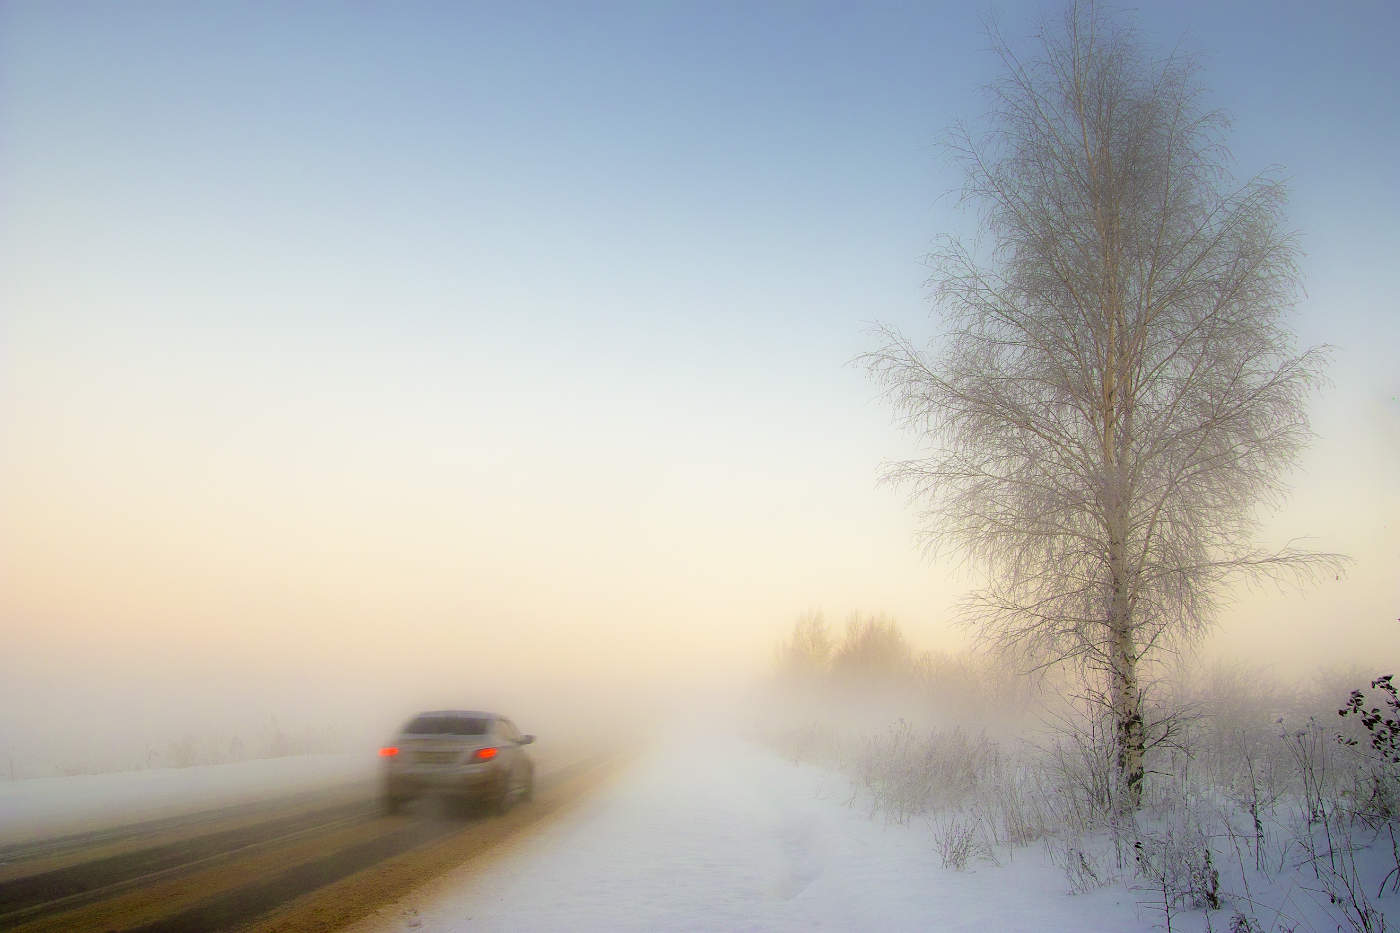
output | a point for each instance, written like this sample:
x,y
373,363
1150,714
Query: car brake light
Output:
x,y
485,754
388,751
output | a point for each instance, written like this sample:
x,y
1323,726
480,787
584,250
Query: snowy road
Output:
x,y
722,835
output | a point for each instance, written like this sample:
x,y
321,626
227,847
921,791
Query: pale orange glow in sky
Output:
x,y
465,353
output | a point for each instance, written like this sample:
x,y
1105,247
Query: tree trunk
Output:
x,y
1125,694
1126,699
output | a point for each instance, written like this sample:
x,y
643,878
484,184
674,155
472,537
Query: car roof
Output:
x,y
463,713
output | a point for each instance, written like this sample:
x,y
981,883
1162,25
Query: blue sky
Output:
x,y
398,315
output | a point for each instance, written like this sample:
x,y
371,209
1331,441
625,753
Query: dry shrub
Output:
x,y
958,839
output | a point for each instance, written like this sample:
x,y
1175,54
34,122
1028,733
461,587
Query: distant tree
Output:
x,y
1117,390
873,651
806,654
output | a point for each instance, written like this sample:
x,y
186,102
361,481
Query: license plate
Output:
x,y
436,758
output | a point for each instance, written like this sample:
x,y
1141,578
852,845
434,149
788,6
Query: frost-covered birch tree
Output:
x,y
1116,391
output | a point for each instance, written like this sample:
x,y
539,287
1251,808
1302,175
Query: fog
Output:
x,y
174,600
452,358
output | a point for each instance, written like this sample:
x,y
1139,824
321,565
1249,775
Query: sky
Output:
x,y
360,356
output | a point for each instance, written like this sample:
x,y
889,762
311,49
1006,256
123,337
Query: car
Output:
x,y
461,755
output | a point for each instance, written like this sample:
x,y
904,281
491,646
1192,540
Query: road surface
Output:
x,y
313,861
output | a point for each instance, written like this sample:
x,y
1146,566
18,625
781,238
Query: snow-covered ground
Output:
x,y
42,807
709,832
716,834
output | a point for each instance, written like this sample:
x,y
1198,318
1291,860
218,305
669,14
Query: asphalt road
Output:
x,y
313,861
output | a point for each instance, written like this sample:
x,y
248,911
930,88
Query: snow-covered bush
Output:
x,y
1009,806
906,772
1080,862
1175,858
958,838
1080,786
805,740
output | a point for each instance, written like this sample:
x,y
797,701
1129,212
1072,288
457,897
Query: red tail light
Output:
x,y
388,751
485,754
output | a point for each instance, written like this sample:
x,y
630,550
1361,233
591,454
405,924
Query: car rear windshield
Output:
x,y
448,725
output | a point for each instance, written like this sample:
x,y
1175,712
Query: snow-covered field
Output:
x,y
717,834
42,807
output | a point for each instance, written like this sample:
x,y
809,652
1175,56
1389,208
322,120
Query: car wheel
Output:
x,y
506,798
389,805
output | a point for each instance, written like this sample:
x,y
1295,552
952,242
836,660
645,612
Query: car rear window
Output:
x,y
448,725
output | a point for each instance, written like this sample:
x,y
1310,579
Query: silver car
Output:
x,y
458,754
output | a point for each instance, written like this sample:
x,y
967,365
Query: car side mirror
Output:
x,y
526,739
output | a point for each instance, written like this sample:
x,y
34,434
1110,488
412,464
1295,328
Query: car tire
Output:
x,y
389,805
505,799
